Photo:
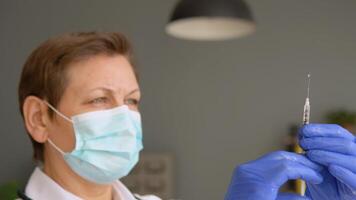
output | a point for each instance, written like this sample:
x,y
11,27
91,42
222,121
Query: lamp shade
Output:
x,y
210,20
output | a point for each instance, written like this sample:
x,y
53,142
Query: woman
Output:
x,y
79,97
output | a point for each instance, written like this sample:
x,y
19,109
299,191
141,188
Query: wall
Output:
x,y
214,105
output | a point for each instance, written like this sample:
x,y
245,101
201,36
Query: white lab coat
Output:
x,y
42,187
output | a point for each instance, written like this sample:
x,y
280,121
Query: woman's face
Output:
x,y
101,82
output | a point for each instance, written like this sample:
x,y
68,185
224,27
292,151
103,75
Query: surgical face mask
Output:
x,y
107,145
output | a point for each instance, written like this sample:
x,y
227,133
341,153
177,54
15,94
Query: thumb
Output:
x,y
290,196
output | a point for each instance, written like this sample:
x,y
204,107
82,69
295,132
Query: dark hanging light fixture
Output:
x,y
210,20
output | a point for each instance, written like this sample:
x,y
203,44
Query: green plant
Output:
x,y
8,190
341,117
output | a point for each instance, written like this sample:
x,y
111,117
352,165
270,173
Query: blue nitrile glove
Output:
x,y
334,148
261,179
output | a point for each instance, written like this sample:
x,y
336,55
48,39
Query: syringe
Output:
x,y
306,111
301,186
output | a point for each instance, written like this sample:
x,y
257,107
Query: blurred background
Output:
x,y
209,106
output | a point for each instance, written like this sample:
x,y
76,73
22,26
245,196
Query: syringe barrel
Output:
x,y
306,112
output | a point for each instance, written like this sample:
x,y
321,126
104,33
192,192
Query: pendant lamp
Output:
x,y
210,20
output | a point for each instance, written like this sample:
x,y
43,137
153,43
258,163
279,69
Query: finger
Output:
x,y
344,175
328,158
290,170
337,145
325,130
294,157
290,196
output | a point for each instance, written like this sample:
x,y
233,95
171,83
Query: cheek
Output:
x,y
62,134
134,108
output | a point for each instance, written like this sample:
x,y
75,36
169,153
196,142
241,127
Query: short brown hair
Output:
x,y
44,72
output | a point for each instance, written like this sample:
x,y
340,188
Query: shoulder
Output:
x,y
147,197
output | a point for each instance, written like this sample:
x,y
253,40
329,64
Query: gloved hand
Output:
x,y
261,179
334,148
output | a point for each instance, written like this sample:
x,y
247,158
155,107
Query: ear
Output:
x,y
36,118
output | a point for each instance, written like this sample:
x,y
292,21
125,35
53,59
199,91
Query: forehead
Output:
x,y
102,71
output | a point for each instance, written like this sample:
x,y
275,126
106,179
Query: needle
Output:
x,y
308,85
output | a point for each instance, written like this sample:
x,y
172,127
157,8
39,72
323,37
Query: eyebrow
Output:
x,y
133,91
111,90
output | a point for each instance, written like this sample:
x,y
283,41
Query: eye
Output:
x,y
99,100
132,102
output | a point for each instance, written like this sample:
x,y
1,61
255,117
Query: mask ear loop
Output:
x,y
57,112
64,117
55,146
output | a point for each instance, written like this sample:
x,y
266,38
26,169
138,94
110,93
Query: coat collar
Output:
x,y
40,186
